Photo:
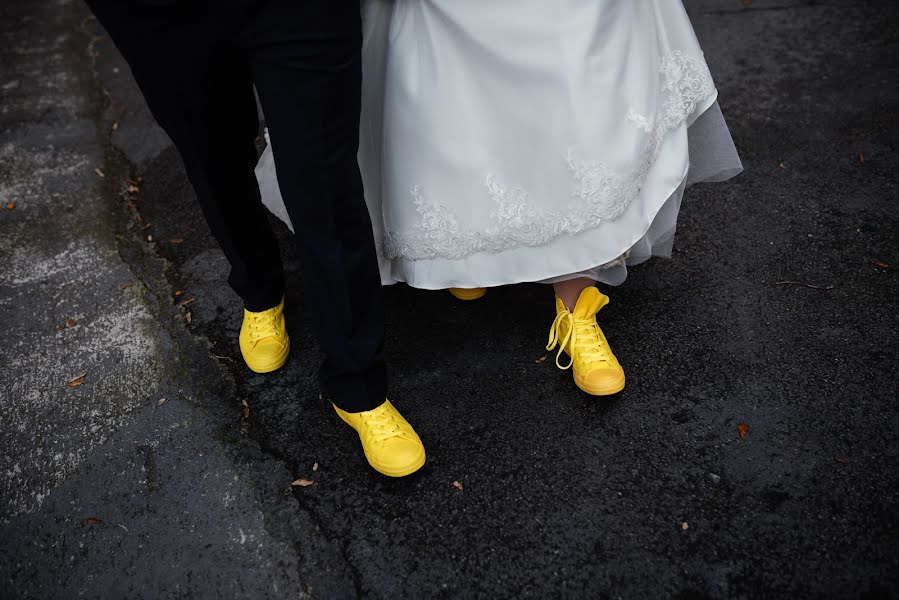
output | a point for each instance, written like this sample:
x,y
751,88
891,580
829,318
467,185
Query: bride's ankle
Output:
x,y
570,290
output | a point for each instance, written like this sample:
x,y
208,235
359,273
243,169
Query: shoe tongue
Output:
x,y
589,303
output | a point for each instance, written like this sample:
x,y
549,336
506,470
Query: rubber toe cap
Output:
x,y
398,457
267,355
601,382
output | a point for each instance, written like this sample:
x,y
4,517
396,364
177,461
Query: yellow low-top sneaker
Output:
x,y
595,368
391,445
263,339
468,293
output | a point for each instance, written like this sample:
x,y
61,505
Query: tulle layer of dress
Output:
x,y
529,140
713,158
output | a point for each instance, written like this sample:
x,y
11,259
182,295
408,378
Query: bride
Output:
x,y
532,141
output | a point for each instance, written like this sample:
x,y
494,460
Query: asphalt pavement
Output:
x,y
753,453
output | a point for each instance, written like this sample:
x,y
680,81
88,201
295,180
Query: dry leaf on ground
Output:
x,y
71,322
99,173
92,521
77,380
11,205
315,467
458,485
246,409
302,483
742,429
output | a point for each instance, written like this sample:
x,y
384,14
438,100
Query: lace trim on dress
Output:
x,y
599,194
639,120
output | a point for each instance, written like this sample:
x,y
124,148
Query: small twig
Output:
x,y
802,284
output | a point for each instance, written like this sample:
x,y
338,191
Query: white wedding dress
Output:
x,y
505,141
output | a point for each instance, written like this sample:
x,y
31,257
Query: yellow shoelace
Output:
x,y
584,334
381,425
262,325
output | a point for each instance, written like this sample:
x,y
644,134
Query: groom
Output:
x,y
196,62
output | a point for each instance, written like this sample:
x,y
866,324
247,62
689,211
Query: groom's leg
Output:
x,y
305,58
199,89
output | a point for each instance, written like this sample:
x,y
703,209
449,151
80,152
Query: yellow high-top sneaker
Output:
x,y
263,339
595,368
390,444
468,293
